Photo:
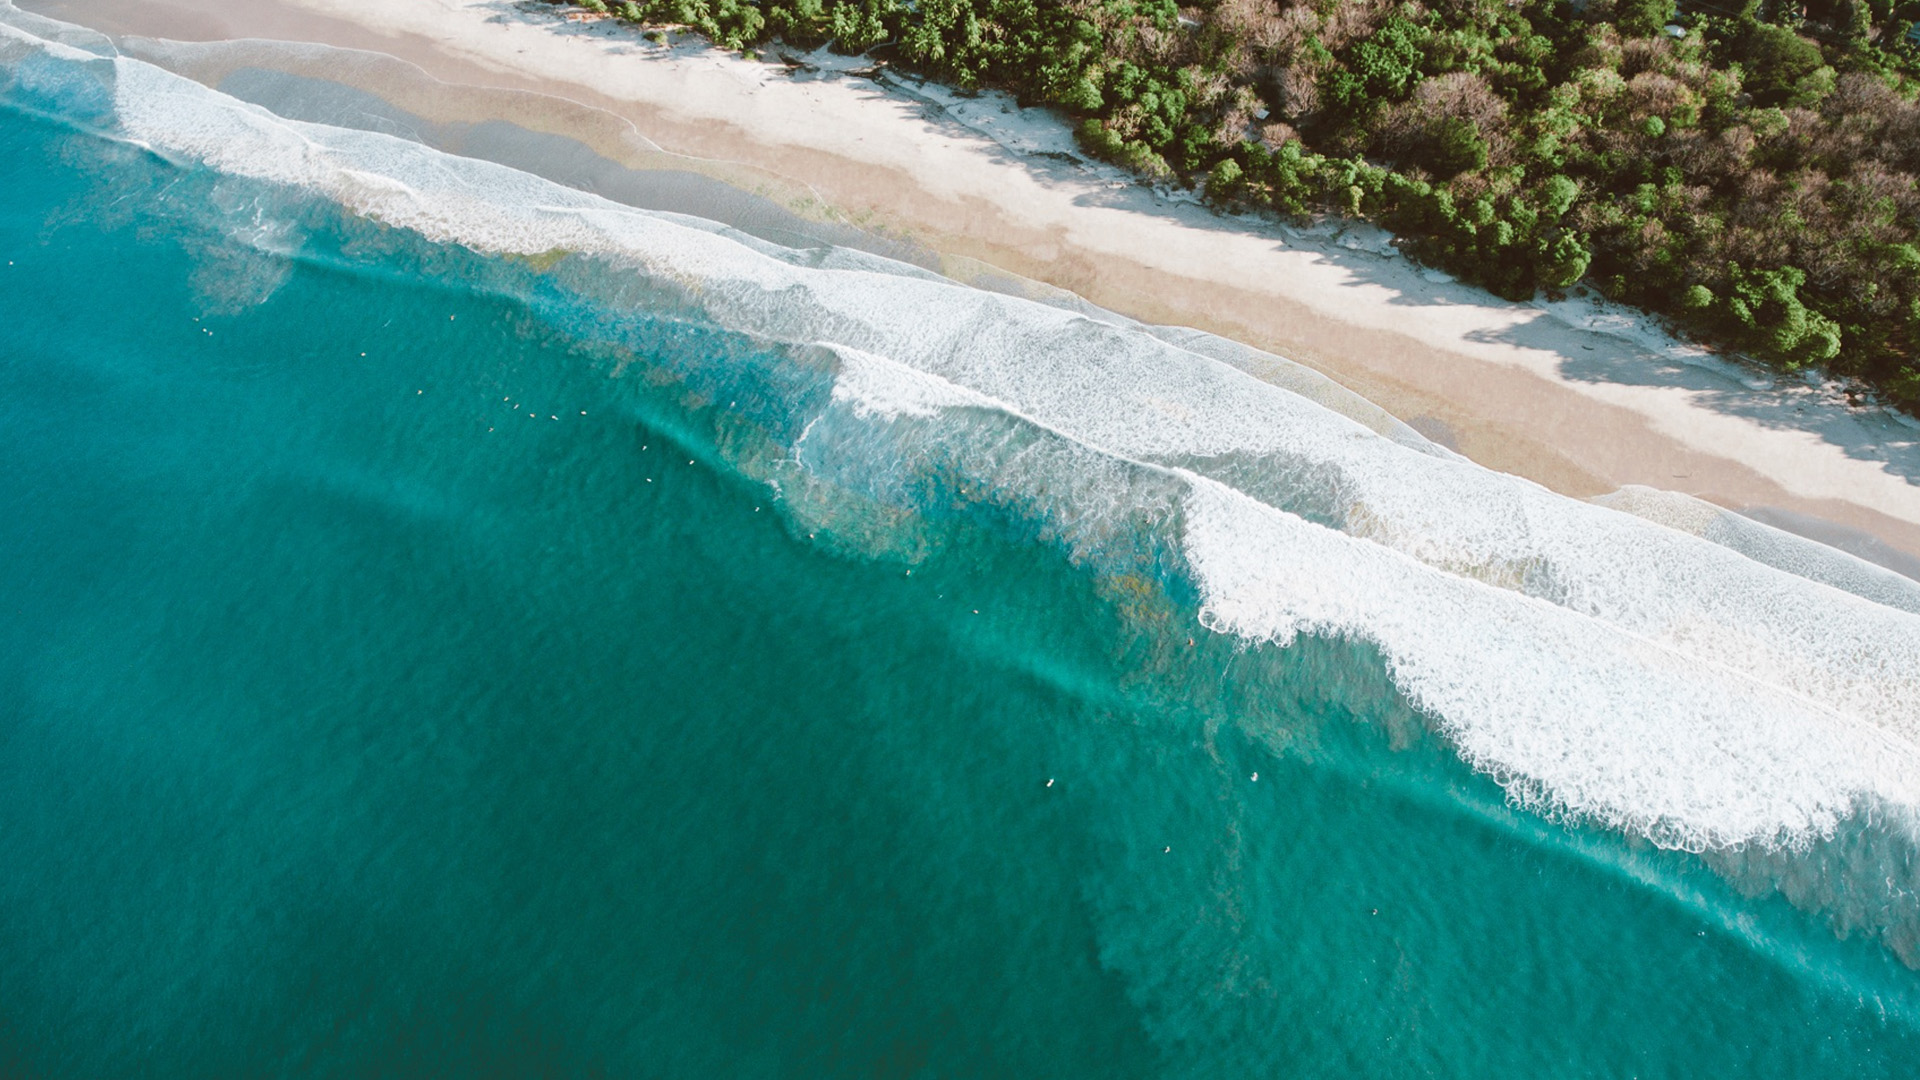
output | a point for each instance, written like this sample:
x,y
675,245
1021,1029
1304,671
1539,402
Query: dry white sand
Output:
x,y
1575,396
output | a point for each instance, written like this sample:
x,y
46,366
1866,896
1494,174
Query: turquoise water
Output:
x,y
418,664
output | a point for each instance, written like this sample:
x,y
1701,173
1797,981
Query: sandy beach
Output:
x,y
1574,395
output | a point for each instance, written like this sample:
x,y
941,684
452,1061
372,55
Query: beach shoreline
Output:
x,y
1580,399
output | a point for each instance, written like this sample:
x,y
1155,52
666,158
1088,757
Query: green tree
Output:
x,y
1775,59
1766,305
1642,18
1380,68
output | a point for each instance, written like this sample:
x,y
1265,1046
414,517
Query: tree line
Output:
x,y
1747,169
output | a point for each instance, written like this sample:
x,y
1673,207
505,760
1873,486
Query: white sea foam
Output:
x,y
1763,543
1577,713
1594,661
874,386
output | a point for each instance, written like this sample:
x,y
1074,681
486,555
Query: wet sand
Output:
x,y
971,186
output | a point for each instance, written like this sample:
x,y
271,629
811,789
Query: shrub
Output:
x,y
1225,181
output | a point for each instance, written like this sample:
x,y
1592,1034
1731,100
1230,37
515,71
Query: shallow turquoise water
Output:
x,y
410,671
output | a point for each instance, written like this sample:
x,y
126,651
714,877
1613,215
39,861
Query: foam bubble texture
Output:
x,y
1572,712
1594,661
1763,543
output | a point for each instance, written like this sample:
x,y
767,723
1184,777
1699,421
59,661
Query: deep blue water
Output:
x,y
399,679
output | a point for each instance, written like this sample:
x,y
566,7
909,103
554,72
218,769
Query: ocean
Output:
x,y
458,625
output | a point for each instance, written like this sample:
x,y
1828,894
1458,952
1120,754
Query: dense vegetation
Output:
x,y
1750,171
